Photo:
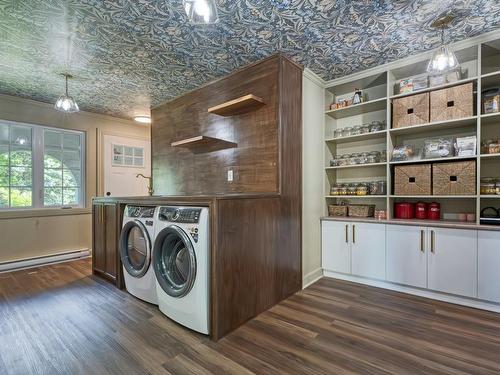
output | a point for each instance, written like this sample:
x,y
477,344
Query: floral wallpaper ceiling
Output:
x,y
127,55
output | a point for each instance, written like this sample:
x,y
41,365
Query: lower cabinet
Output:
x,y
452,261
336,254
406,260
489,266
368,250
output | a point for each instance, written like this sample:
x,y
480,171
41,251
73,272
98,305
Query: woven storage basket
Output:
x,y
410,110
452,103
361,210
337,210
412,179
458,178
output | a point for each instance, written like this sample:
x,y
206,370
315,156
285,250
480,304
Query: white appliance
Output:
x,y
136,252
181,263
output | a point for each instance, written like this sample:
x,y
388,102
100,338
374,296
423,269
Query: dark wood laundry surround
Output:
x,y
248,123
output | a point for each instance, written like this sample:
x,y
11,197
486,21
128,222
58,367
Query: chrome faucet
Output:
x,y
150,183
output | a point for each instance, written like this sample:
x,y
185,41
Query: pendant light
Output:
x,y
443,59
66,103
201,11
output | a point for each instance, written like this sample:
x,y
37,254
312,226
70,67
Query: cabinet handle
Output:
x,y
354,234
432,241
422,241
346,233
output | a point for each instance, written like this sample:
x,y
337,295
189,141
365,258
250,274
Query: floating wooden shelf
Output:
x,y
238,106
202,144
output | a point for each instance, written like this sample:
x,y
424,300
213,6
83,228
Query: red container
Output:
x,y
434,211
404,210
421,210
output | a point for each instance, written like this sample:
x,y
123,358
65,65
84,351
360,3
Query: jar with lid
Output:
x,y
334,162
363,157
343,160
373,157
488,186
365,128
337,133
356,130
382,187
346,132
497,187
351,189
383,156
334,190
362,189
342,189
376,126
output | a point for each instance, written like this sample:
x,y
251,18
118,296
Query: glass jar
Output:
x,y
373,157
365,128
343,160
382,187
383,156
356,130
362,189
497,187
356,159
334,190
488,186
337,133
364,157
376,126
334,162
346,132
351,189
342,189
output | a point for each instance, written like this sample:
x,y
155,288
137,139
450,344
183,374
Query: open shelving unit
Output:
x,y
480,65
202,144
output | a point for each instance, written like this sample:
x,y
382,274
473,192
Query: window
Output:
x,y
40,166
127,156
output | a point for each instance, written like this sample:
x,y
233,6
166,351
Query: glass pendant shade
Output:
x,y
66,103
443,60
201,11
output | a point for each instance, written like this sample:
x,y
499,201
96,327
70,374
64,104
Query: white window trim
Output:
x,y
37,147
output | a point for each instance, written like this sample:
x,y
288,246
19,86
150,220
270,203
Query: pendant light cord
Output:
x,y
66,85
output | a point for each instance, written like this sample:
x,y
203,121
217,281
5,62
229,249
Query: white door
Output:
x,y
123,159
335,251
489,265
452,261
406,260
368,250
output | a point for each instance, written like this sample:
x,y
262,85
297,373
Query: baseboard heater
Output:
x,y
43,260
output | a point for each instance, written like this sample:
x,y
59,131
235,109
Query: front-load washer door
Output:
x,y
174,261
135,248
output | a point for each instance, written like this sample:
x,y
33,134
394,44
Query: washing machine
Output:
x,y
181,261
136,252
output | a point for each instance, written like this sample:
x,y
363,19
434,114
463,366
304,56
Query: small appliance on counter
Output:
x,y
490,216
404,210
420,210
434,211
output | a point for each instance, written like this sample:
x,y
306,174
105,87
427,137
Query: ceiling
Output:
x,y
127,55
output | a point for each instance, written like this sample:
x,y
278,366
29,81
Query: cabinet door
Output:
x,y
406,259
452,261
335,252
98,244
489,265
368,250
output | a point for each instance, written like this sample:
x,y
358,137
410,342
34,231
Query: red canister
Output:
x,y
434,211
421,210
404,210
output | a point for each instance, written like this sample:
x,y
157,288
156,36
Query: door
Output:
x,y
335,248
135,248
452,261
489,265
125,158
368,250
174,261
406,258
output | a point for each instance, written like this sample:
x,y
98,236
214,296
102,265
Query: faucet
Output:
x,y
150,185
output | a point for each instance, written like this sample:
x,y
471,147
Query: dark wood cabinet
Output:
x,y
106,220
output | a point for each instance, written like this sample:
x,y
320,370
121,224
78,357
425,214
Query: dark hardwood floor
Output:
x,y
60,320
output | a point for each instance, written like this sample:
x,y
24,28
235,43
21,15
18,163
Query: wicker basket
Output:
x,y
410,110
361,210
337,210
412,179
452,103
458,178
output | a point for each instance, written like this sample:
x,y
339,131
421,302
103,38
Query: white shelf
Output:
x,y
432,88
490,156
434,196
434,126
357,166
358,137
421,161
373,196
358,109
490,115
492,74
485,196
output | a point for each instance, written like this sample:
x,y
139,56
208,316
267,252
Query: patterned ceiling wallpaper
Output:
x,y
127,55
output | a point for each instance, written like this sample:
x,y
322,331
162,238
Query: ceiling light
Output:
x,y
201,11
66,103
443,59
143,119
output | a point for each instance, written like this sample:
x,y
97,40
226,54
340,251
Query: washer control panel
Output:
x,y
183,215
140,212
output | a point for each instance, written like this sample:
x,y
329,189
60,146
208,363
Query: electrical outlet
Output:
x,y
230,175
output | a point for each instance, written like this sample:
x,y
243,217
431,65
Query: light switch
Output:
x,y
230,175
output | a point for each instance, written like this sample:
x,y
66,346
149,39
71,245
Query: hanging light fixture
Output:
x,y
66,103
443,59
201,11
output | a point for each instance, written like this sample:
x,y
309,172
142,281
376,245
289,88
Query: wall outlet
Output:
x,y
230,175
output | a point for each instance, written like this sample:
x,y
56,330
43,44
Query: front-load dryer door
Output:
x,y
174,261
135,248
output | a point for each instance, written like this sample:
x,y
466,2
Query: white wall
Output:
x,y
312,175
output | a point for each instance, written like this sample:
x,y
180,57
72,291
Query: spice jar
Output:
x,y
351,189
488,186
365,128
342,189
362,189
334,190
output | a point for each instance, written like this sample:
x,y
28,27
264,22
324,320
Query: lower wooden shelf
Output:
x,y
202,144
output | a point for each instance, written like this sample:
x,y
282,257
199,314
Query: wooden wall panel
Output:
x,y
255,161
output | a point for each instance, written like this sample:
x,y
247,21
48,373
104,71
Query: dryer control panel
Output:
x,y
180,215
140,211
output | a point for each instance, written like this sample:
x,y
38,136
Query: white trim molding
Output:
x,y
22,264
312,277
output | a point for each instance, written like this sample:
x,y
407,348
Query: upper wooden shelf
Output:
x,y
202,144
238,106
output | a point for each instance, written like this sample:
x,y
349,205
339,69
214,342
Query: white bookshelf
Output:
x,y
480,62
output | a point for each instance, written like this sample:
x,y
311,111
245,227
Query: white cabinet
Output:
x,y
452,261
368,250
406,261
489,266
335,253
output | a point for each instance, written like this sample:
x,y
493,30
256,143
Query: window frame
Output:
x,y
37,167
